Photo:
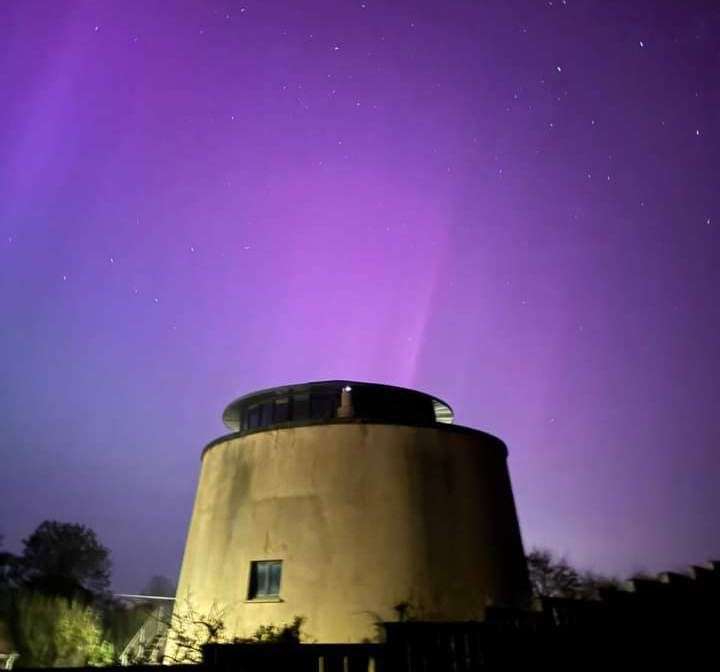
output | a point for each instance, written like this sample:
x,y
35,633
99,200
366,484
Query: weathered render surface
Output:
x,y
363,517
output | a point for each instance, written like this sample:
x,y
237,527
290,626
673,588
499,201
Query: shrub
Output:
x,y
56,632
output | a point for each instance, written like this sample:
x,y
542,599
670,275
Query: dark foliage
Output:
x,y
122,622
159,586
10,576
554,577
66,559
10,570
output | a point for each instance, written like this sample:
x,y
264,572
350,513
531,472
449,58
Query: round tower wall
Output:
x,y
363,517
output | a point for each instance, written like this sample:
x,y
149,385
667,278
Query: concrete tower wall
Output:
x,y
363,517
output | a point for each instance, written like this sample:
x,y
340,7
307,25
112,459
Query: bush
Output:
x,y
56,632
289,633
188,630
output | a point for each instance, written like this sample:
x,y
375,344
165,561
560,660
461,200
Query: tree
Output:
x,y
122,621
159,586
10,570
550,576
10,576
66,559
554,577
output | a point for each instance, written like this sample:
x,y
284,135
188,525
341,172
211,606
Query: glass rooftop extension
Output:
x,y
330,400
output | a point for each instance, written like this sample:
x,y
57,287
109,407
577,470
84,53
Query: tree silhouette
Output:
x,y
159,586
10,570
555,577
66,559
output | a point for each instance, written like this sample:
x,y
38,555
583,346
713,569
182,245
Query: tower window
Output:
x,y
322,406
282,410
301,407
253,417
264,579
266,414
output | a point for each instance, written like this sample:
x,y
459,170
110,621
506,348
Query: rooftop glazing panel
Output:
x,y
327,400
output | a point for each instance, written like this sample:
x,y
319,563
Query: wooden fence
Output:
x,y
295,657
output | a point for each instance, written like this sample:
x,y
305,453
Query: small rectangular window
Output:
x,y
301,407
253,417
264,579
266,411
322,407
281,410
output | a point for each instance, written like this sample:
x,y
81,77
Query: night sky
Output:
x,y
514,206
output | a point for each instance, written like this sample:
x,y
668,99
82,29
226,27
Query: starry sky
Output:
x,y
511,205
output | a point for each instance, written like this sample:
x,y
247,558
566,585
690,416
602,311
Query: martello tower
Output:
x,y
339,500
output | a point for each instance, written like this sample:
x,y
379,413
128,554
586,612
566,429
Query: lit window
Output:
x,y
264,579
